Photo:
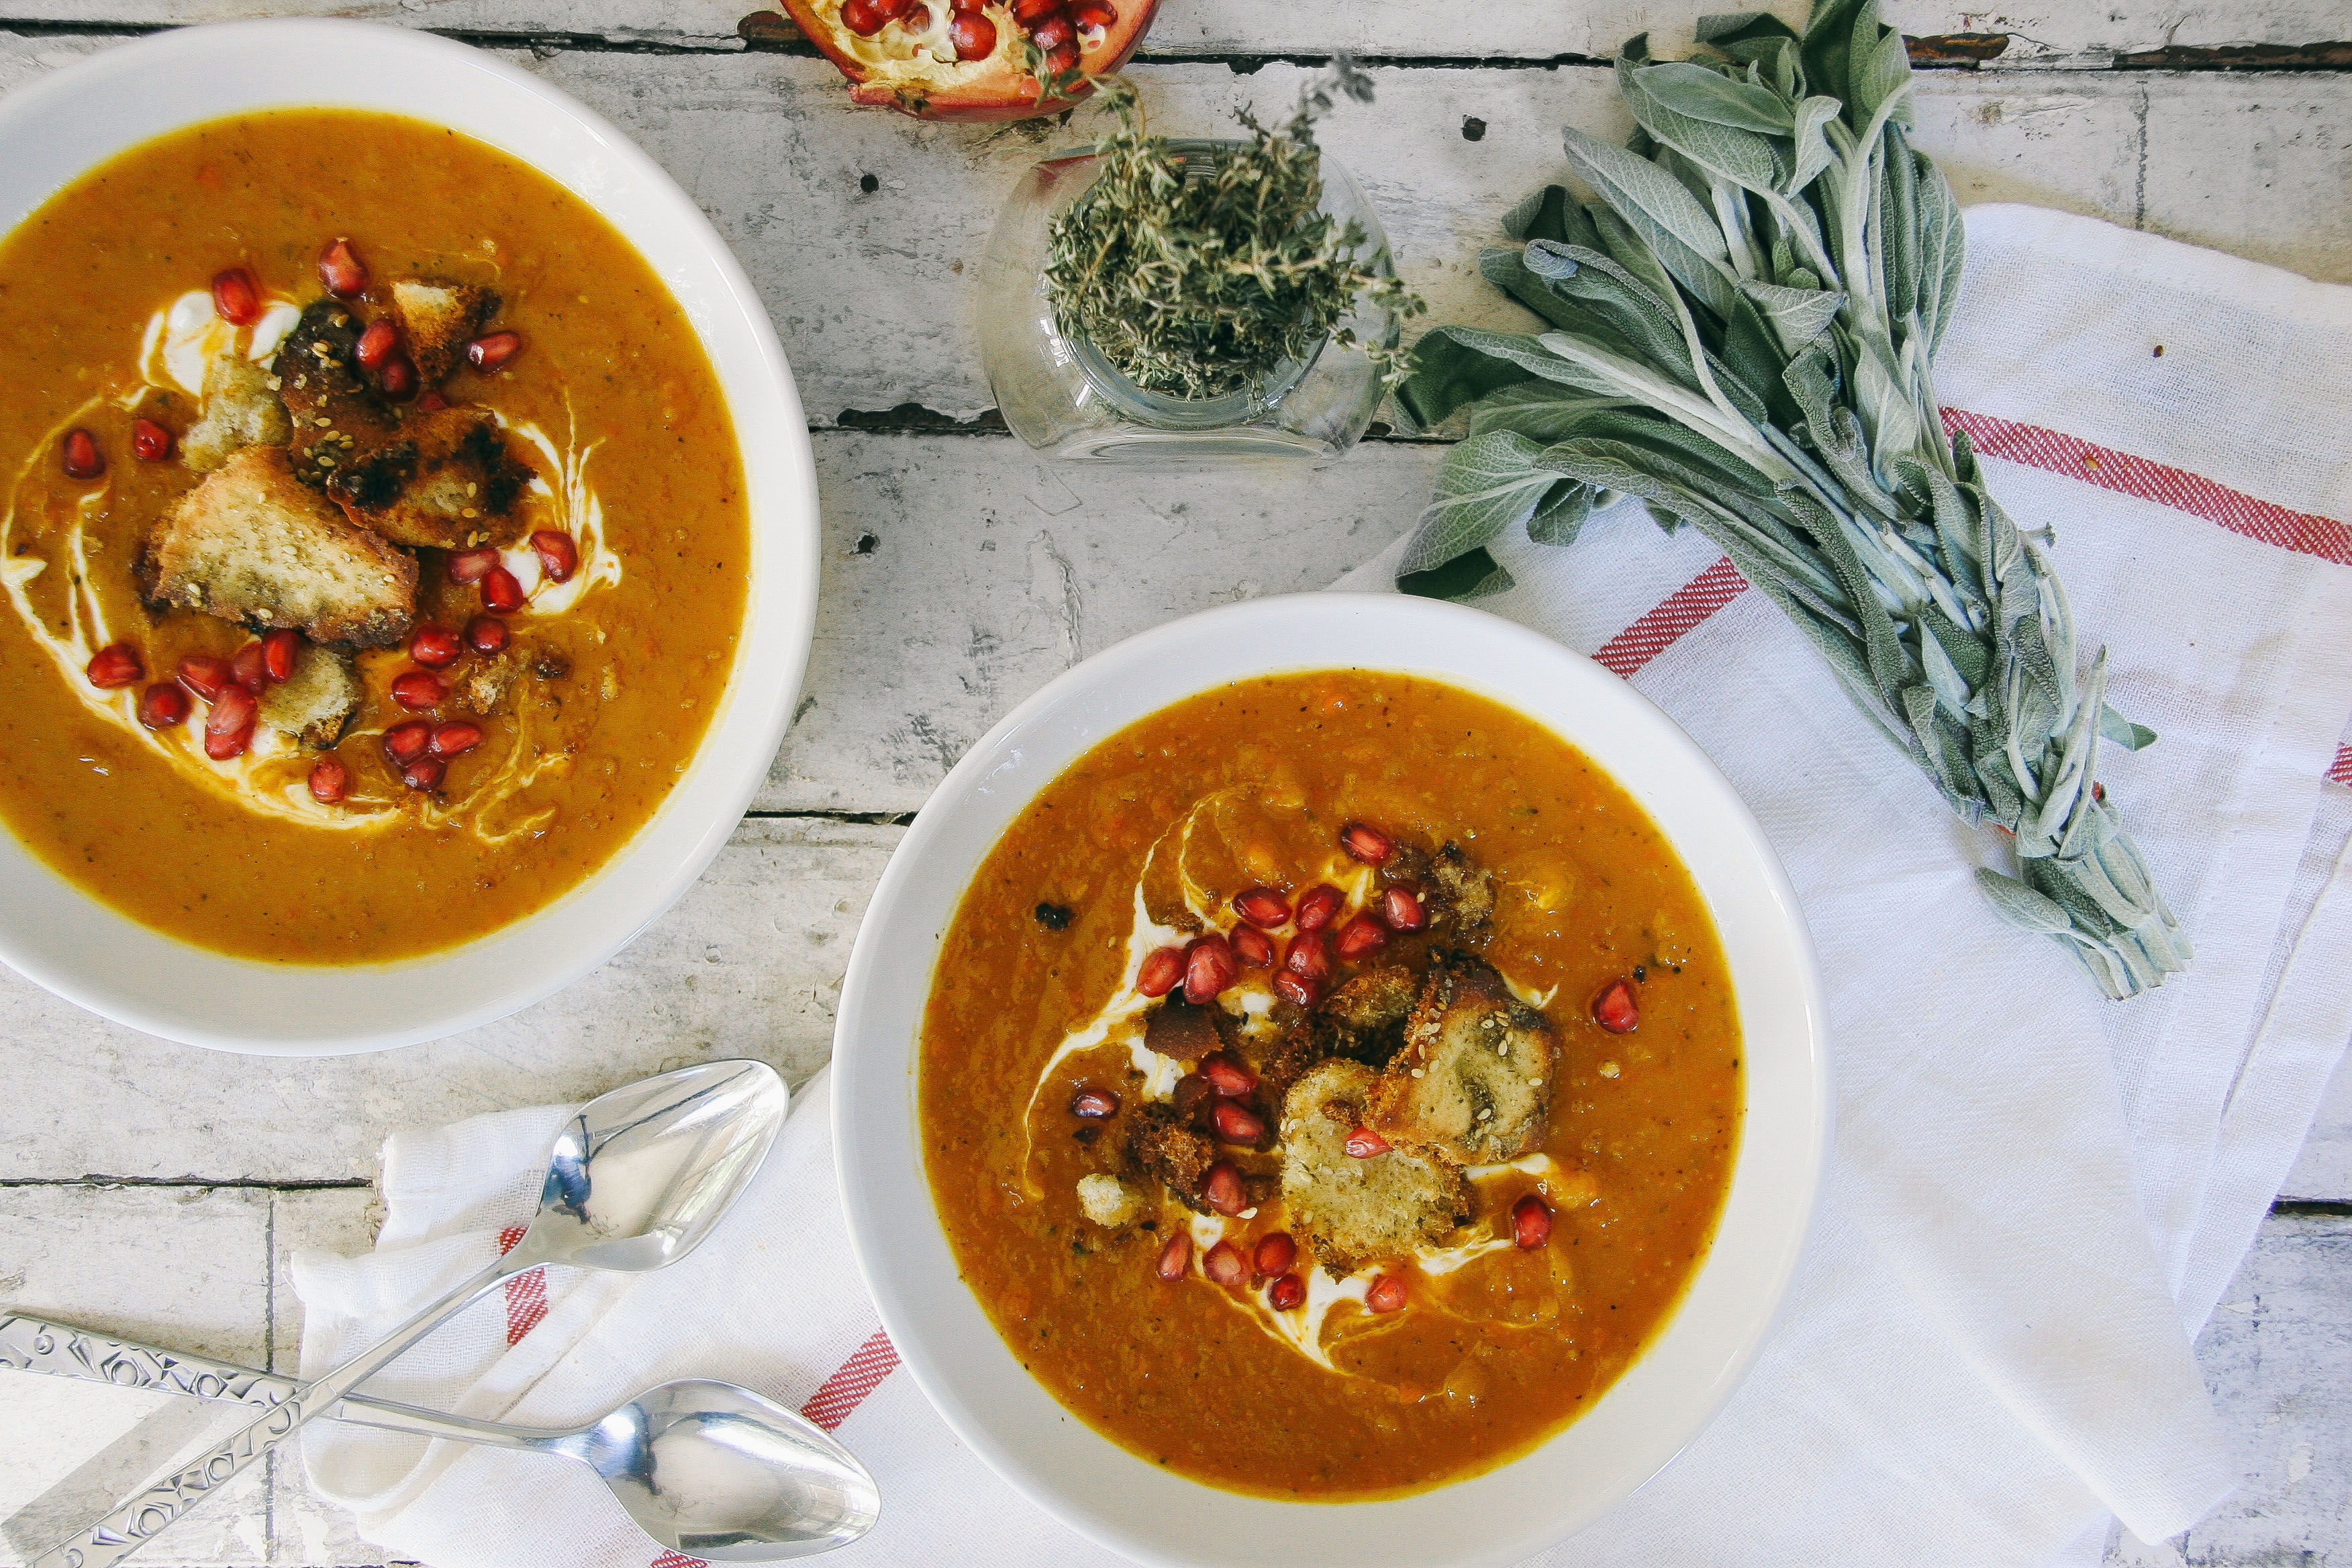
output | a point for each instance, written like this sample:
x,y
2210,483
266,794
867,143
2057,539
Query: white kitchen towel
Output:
x,y
2037,1197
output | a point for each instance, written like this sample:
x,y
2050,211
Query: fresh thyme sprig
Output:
x,y
1741,335
1196,283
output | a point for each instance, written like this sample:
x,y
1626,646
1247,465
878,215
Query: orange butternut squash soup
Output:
x,y
1329,1084
374,542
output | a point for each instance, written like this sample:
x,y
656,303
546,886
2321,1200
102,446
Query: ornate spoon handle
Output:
x,y
158,1508
61,1350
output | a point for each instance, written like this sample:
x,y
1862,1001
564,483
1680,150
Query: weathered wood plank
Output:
x,y
2275,1359
2037,31
746,964
187,1267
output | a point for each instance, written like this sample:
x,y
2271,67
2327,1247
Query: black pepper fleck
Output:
x,y
1054,917
868,184
1473,129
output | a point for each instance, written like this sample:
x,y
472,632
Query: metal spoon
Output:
x,y
635,1182
707,1469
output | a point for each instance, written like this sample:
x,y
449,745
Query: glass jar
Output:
x,y
1060,395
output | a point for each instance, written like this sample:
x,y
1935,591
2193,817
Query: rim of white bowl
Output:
x,y
1691,1364
68,941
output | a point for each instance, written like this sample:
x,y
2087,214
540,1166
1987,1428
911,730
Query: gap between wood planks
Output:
x,y
771,32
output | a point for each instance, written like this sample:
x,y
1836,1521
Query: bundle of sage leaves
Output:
x,y
1742,330
1197,276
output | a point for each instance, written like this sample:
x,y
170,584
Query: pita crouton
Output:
x,y
1351,1211
435,320
314,704
255,544
444,482
1474,1078
336,416
240,411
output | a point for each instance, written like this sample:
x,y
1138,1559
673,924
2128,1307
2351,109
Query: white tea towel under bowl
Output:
x,y
2037,1195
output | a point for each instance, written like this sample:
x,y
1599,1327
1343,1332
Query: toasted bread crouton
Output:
x,y
335,414
482,687
1350,1212
240,411
255,544
1108,1202
1456,892
444,480
314,704
436,319
1163,1143
1474,1078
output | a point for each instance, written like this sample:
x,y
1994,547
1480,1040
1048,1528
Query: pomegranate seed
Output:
x,y
150,442
1263,907
863,18
237,299
1402,910
1387,1294
1093,1104
424,774
405,742
455,738
1161,969
418,688
1093,16
486,634
1175,1259
1310,958
341,269
430,402
228,727
435,646
1614,1009
469,566
1252,946
82,458
1062,60
1320,902
1227,1075
973,35
1209,968
559,557
164,706
1364,842
500,592
1052,33
1291,988
376,344
918,19
1360,936
1363,1143
279,649
204,675
398,378
1531,1223
250,669
330,781
490,354
1275,1254
117,664
960,7
1220,1189
1224,1264
1029,13
1286,1294
1235,1125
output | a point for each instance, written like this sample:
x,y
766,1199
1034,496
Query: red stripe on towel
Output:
x,y
2305,533
2342,772
846,1389
1659,630
526,1293
677,1560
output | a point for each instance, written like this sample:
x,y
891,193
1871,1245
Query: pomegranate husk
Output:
x,y
977,90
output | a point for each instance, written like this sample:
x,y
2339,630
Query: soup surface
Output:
x,y
564,626
1329,1084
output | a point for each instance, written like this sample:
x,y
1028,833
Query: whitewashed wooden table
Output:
x,y
157,1190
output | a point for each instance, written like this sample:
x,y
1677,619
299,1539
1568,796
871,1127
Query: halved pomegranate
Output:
x,y
970,59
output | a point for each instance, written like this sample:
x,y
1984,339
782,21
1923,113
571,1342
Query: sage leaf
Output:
x,y
1471,576
1485,484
